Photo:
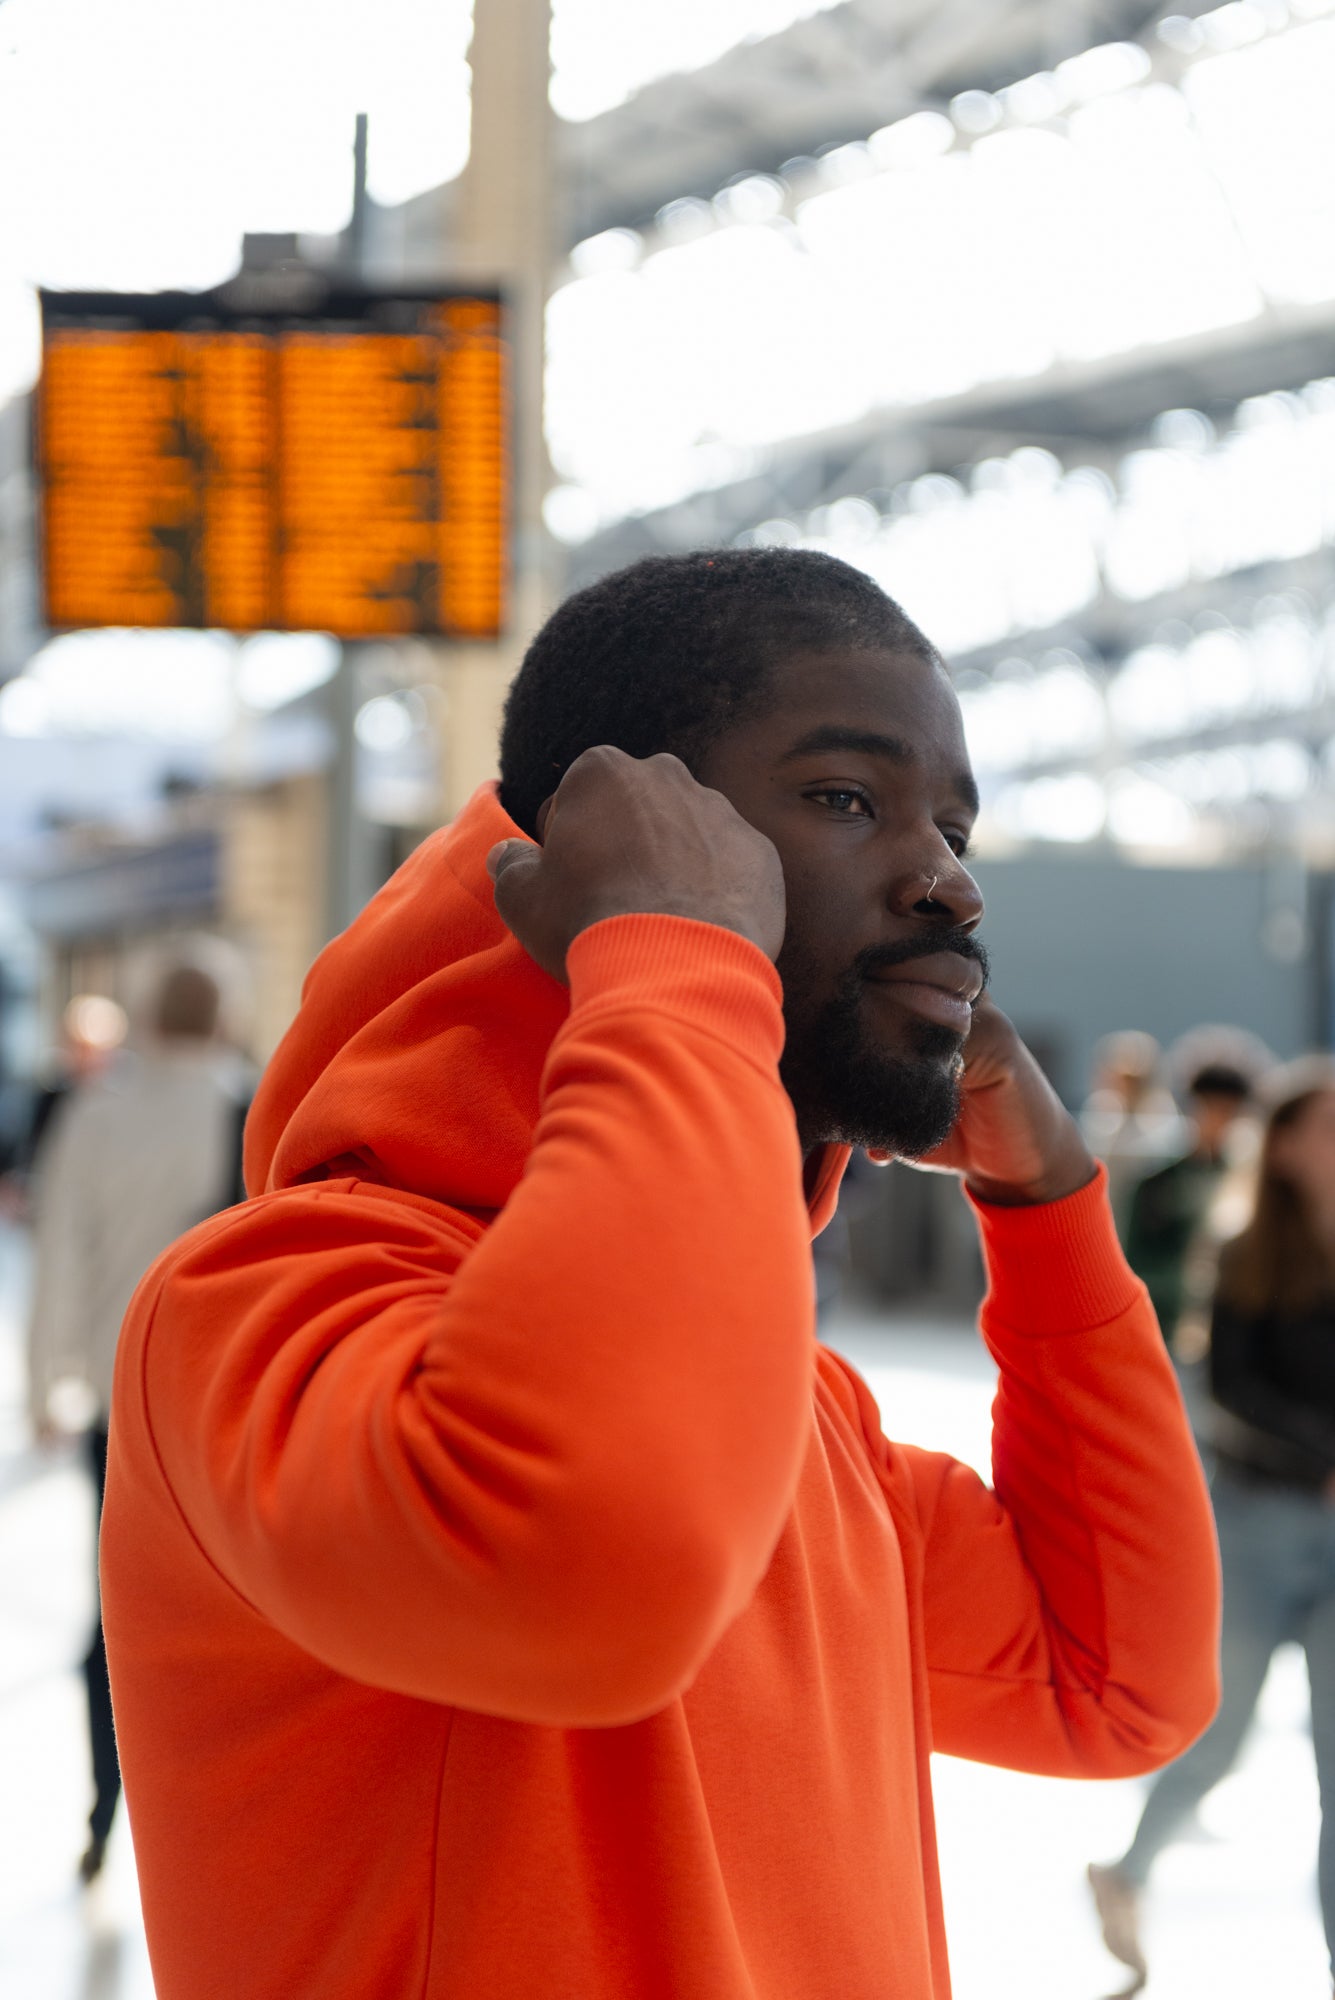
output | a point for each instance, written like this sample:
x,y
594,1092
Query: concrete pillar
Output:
x,y
350,880
505,232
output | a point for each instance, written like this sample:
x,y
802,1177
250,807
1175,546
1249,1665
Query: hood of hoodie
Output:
x,y
416,1056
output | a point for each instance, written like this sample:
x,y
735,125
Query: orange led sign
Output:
x,y
343,469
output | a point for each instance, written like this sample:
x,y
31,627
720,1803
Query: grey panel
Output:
x,y
1085,944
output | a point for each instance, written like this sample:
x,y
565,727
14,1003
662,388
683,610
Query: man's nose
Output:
x,y
947,893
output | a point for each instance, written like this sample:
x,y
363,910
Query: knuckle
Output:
x,y
596,758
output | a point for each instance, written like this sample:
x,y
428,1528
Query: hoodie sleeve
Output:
x,y
1070,1612
537,1471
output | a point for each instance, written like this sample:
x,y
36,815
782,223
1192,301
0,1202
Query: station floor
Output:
x,y
1233,1915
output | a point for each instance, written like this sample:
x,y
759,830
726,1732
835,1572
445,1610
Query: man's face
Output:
x,y
1215,1113
858,773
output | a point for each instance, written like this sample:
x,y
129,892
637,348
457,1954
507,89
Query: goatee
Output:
x,y
846,1087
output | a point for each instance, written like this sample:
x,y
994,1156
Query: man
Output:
x,y
92,1029
1170,1208
133,1156
1130,1119
505,1595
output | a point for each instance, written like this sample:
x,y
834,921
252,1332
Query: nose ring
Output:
x,y
931,886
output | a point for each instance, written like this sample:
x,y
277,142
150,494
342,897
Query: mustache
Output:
x,y
879,957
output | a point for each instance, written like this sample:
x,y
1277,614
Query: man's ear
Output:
x,y
544,813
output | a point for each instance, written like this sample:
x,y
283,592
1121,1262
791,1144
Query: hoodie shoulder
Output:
x,y
415,1059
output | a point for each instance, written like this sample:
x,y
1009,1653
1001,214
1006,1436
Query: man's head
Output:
x,y
1127,1067
1216,1070
793,685
1218,1094
92,1028
187,1005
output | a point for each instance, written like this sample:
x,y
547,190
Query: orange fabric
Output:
x,y
506,1597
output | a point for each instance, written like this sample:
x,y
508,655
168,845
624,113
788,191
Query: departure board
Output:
x,y
341,469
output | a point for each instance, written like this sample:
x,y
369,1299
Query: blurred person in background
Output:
x,y
131,1160
1272,1373
505,1595
1130,1119
1170,1208
92,1031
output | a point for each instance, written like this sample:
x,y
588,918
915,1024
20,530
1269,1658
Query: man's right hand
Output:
x,y
625,835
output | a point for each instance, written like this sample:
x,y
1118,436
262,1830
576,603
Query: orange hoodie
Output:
x,y
506,1597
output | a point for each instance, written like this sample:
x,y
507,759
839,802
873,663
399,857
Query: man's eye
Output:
x,y
843,799
958,843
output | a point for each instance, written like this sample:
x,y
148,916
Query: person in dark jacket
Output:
x,y
1217,1072
1272,1377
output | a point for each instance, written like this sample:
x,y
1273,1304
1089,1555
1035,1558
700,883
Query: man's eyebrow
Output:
x,y
871,743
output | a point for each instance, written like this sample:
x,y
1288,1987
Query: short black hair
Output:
x,y
669,653
1220,1079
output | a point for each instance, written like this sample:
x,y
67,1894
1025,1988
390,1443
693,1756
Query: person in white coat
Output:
x,y
130,1163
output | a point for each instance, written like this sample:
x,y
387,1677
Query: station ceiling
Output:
x,y
829,79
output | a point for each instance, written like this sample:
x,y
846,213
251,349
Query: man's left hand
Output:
x,y
1014,1142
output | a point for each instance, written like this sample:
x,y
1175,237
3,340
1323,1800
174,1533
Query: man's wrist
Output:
x,y
1065,1176
733,916
1056,1268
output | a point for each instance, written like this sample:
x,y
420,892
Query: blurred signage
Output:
x,y
340,465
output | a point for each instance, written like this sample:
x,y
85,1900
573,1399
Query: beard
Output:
x,y
846,1086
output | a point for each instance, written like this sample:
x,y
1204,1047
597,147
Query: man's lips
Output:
x,y
940,986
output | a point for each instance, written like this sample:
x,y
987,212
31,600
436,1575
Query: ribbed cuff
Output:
x,y
697,971
1056,1267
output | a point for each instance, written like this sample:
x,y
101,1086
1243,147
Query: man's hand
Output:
x,y
625,835
1014,1141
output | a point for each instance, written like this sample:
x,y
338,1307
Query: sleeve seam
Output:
x,y
233,1218
1011,1680
1096,1571
172,1495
